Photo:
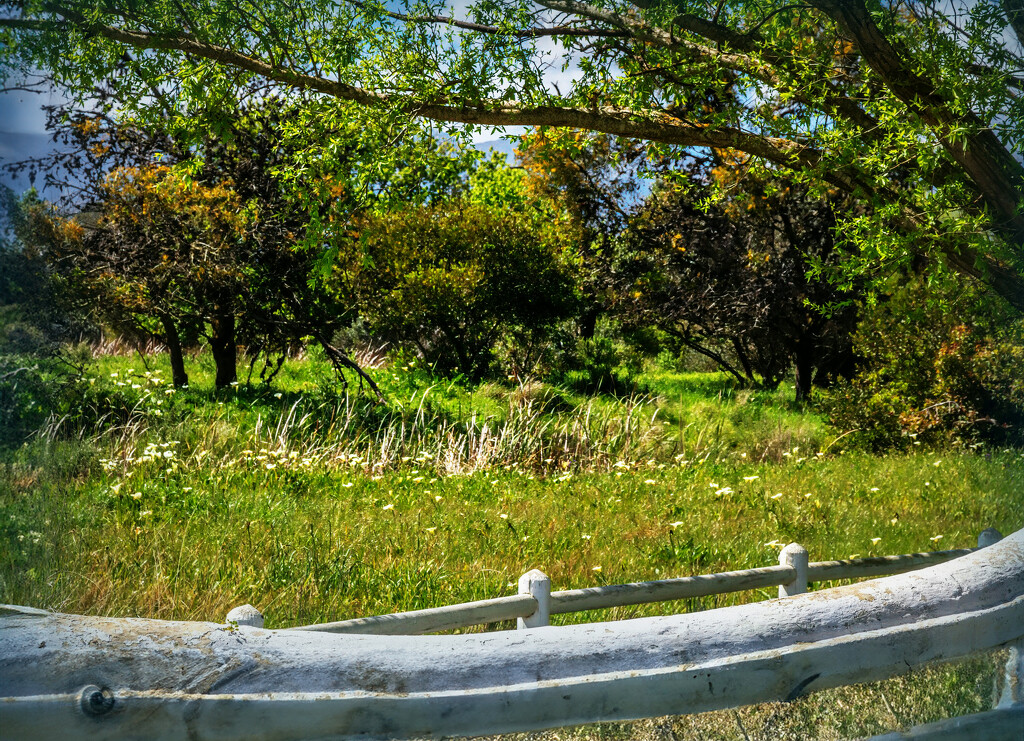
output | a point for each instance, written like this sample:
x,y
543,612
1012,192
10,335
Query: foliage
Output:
x,y
35,317
934,371
730,280
40,386
451,281
594,178
213,242
909,107
160,259
603,363
24,405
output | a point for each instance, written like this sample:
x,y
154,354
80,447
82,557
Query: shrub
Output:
x,y
605,363
449,281
939,364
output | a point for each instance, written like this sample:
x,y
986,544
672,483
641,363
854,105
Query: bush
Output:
x,y
938,366
448,282
605,363
35,389
36,313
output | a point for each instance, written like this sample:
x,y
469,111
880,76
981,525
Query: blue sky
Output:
x,y
22,131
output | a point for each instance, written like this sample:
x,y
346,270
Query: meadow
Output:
x,y
316,504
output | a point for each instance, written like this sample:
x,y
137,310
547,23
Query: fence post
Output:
x,y
1013,676
989,536
245,615
1013,692
537,584
794,555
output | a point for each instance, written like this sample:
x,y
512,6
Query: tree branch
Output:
x,y
832,101
656,125
525,33
968,140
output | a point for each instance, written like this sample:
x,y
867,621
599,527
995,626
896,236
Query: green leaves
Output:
x,y
449,279
891,104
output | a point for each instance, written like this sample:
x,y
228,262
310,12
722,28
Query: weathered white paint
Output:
x,y
639,593
795,556
861,568
165,680
434,619
1013,686
536,584
245,615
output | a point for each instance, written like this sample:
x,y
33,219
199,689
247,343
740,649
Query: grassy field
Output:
x,y
315,505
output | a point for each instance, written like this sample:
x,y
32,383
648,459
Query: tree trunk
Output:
x,y
712,355
178,376
225,353
804,360
748,370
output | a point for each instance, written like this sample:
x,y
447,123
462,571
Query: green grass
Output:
x,y
187,539
314,505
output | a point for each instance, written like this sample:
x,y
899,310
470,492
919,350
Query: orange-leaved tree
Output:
x,y
159,256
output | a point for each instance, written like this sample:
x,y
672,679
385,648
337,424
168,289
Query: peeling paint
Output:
x,y
199,680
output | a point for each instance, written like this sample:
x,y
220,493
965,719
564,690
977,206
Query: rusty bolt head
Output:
x,y
95,701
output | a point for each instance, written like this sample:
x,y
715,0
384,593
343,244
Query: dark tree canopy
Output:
x,y
731,281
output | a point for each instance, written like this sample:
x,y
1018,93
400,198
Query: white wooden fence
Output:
x,y
68,676
535,602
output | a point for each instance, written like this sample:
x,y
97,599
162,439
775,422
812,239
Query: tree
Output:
x,y
158,258
287,295
912,106
22,277
450,280
596,180
181,243
731,281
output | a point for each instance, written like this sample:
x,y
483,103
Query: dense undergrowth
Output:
x,y
315,504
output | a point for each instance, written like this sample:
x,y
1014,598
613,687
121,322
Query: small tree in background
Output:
x,y
730,280
449,280
159,258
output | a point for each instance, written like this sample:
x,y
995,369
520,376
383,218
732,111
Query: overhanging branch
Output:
x,y
654,125
524,33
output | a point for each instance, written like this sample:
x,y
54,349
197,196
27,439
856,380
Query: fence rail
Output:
x,y
641,593
435,619
860,568
72,676
536,602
